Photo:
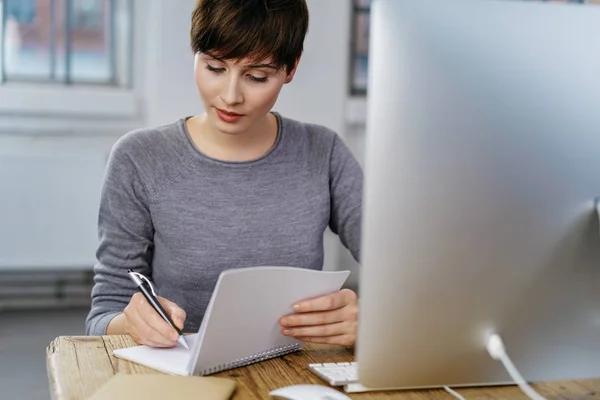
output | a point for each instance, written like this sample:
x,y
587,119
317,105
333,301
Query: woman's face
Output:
x,y
236,93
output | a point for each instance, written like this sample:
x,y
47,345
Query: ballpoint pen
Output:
x,y
152,298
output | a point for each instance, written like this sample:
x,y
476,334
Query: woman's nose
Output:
x,y
232,94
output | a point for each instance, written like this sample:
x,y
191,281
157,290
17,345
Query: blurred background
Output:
x,y
75,75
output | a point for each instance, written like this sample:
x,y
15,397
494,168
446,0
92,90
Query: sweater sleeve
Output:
x,y
346,187
125,233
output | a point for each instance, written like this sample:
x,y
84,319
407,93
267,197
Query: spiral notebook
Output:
x,y
241,323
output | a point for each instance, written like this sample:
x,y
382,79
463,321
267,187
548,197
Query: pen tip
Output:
x,y
183,342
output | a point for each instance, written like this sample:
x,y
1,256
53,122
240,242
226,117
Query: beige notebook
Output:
x,y
240,326
160,387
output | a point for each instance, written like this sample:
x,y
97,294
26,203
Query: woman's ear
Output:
x,y
290,76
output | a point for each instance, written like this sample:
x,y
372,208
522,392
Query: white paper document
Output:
x,y
241,323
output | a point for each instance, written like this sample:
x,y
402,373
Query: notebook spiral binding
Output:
x,y
263,355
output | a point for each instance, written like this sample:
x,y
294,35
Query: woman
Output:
x,y
237,186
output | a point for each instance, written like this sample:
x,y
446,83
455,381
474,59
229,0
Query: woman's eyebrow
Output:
x,y
273,66
251,66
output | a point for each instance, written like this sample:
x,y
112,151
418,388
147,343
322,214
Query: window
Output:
x,y
360,47
66,42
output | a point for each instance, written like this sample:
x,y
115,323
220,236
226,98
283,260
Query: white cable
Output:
x,y
495,347
454,393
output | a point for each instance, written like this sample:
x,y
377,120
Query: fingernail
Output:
x,y
287,332
285,321
296,306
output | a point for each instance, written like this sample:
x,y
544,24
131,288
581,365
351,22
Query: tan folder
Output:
x,y
161,387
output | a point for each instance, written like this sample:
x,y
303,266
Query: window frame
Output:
x,y
79,99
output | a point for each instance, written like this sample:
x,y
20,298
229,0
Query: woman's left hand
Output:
x,y
329,319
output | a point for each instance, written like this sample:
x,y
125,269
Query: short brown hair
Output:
x,y
257,29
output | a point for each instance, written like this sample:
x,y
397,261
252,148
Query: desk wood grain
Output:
x,y
79,365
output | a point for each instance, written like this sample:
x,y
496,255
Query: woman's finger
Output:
x,y
343,340
313,318
328,302
145,334
335,329
160,331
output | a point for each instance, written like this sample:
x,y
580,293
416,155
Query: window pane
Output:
x,y
361,33
360,51
90,59
100,41
27,38
59,42
362,3
122,34
360,76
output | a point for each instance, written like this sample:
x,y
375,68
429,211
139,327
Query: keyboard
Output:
x,y
336,374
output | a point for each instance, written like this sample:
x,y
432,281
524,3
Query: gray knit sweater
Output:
x,y
180,217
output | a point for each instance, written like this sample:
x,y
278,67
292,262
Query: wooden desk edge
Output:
x,y
57,358
62,359
52,369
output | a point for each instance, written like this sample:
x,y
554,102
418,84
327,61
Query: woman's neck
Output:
x,y
241,147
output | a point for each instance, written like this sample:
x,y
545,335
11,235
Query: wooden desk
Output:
x,y
80,365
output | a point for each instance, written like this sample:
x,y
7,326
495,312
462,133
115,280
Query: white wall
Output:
x,y
170,88
318,92
166,92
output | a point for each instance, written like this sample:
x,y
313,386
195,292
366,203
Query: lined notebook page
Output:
x,y
242,319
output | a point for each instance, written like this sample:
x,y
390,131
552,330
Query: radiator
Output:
x,y
43,289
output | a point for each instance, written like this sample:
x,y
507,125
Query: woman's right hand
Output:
x,y
145,325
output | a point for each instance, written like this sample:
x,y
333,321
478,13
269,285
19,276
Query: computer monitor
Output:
x,y
481,172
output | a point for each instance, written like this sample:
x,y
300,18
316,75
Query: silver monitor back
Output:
x,y
482,166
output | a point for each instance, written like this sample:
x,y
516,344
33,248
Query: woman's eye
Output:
x,y
215,70
258,79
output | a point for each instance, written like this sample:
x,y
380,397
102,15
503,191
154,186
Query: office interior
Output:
x,y
71,84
